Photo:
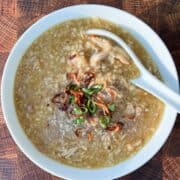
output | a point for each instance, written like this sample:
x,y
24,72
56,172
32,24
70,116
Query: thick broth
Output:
x,y
42,73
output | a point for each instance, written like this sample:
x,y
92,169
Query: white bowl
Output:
x,y
151,42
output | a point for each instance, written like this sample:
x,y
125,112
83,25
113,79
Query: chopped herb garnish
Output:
x,y
71,99
72,86
79,120
77,111
91,106
104,121
87,91
96,88
84,110
80,111
85,101
111,107
93,89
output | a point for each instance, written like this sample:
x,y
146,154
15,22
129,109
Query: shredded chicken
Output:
x,y
102,43
130,112
96,57
102,49
119,54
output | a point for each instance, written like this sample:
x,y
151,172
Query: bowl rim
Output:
x,y
64,170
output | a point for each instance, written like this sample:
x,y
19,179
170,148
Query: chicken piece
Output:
x,y
101,48
97,57
130,112
120,54
104,44
92,46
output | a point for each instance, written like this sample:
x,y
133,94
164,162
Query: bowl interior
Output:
x,y
153,45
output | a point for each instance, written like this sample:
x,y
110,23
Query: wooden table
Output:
x,y
17,15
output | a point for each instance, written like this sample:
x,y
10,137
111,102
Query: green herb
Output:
x,y
71,99
79,120
86,91
77,111
84,110
80,111
111,107
93,89
91,106
72,86
104,121
96,88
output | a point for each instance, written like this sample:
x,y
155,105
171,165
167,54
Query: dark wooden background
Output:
x,y
17,15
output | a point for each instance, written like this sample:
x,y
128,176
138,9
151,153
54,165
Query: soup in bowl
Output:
x,y
73,97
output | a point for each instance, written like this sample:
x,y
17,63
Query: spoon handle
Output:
x,y
158,89
146,80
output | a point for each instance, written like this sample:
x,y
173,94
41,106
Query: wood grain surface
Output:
x,y
17,15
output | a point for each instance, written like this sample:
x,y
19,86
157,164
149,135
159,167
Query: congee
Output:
x,y
74,99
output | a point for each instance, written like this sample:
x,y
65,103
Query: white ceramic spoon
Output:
x,y
146,80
